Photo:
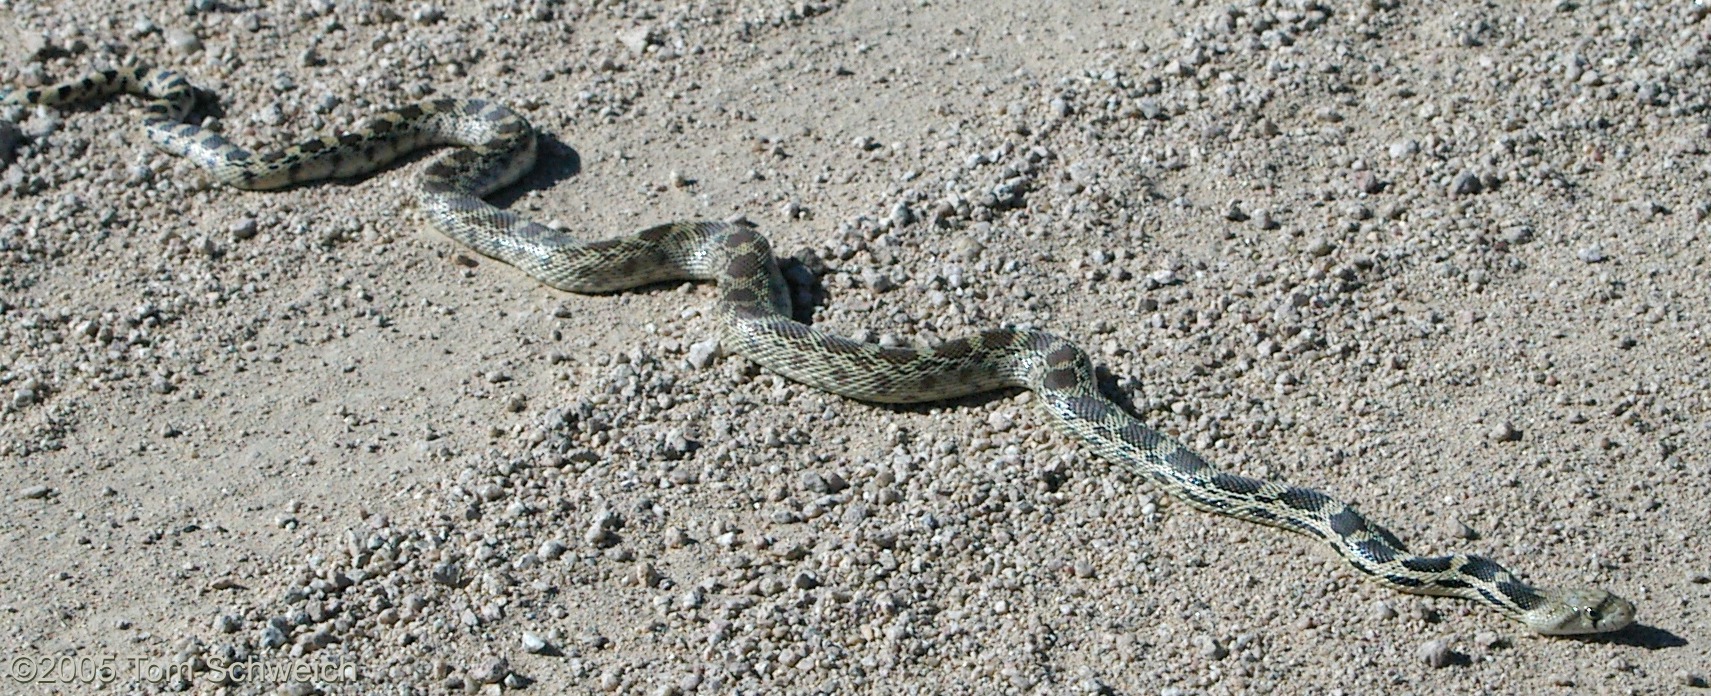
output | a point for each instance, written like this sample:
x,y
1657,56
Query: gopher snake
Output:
x,y
495,147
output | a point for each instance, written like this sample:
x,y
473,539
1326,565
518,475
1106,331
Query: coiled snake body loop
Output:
x,y
494,146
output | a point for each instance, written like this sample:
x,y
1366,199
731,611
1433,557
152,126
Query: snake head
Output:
x,y
1579,611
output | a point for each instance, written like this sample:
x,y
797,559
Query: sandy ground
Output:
x,y
1447,263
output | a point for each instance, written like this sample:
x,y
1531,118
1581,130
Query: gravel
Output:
x,y
35,492
1445,263
1437,653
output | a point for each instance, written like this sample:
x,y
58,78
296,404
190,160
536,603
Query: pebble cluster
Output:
x,y
1444,262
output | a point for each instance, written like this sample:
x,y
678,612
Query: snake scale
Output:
x,y
494,146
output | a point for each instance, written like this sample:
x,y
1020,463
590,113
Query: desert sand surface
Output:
x,y
1444,261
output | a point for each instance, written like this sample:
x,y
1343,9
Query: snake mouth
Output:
x,y
1581,612
1616,614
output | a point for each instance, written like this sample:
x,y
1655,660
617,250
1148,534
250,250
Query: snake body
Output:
x,y
494,146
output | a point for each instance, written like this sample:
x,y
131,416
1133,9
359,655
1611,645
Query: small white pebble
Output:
x,y
183,41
